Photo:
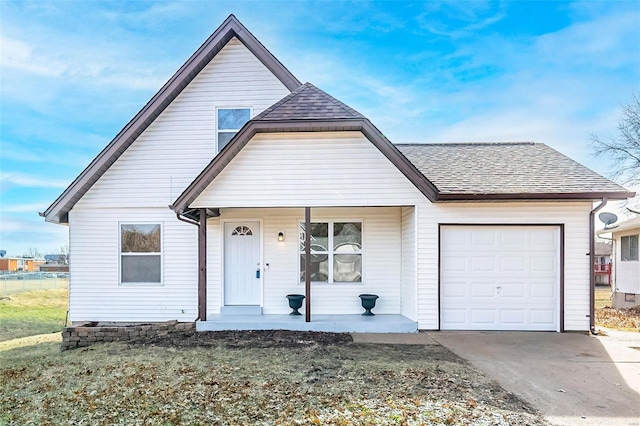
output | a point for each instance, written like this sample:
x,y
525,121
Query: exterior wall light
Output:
x,y
280,236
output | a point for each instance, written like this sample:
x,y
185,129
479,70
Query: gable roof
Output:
x,y
307,109
231,27
525,170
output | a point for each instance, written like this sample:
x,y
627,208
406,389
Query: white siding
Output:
x,y
309,169
94,291
173,150
382,249
409,290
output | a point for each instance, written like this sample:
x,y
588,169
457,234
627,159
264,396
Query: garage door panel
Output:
x,y
482,290
483,316
542,317
513,316
454,264
513,290
513,263
501,278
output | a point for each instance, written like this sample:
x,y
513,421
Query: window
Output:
x,y
629,248
140,253
336,252
229,122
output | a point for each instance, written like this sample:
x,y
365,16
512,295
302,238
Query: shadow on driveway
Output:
x,y
571,378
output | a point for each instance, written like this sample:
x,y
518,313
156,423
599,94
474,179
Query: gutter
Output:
x,y
592,272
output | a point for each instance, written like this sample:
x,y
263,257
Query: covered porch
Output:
x,y
253,258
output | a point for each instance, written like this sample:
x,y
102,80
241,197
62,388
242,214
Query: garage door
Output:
x,y
499,277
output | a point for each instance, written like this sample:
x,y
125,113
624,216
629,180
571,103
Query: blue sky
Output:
x,y
72,74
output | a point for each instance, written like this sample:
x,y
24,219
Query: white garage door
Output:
x,y
499,278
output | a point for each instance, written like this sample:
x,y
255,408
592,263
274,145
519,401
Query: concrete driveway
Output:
x,y
571,378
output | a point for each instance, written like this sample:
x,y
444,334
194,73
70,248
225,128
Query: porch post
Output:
x,y
202,266
307,263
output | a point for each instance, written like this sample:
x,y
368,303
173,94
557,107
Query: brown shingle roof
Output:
x,y
503,169
308,102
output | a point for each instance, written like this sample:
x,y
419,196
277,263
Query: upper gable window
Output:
x,y
230,120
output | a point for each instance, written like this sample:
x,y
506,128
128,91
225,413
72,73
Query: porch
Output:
x,y
347,323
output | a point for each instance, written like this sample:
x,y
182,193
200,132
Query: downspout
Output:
x,y
592,272
202,262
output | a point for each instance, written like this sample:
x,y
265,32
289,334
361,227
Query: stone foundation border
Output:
x,y
86,334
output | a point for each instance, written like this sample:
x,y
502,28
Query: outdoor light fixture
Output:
x,y
280,236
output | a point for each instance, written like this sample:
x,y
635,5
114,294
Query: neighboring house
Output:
x,y
477,236
19,264
626,282
602,265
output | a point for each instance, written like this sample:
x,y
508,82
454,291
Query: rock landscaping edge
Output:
x,y
88,334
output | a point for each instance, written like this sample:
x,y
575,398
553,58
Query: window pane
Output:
x,y
141,269
224,138
140,238
319,237
633,247
347,268
347,237
232,119
319,267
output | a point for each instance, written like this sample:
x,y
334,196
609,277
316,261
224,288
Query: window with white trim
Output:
x,y
629,248
336,252
140,253
229,122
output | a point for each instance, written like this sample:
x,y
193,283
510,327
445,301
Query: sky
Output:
x,y
72,74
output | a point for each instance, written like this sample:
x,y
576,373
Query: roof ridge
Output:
x,y
282,101
308,102
330,98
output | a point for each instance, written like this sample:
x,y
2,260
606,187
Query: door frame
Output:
x,y
223,225
561,254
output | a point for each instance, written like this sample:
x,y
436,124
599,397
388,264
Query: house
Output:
x,y
626,281
19,264
236,185
602,265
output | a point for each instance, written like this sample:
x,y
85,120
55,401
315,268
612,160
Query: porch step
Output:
x,y
240,310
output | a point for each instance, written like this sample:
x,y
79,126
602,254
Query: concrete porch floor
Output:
x,y
329,323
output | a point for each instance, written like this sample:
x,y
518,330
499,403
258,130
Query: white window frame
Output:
x,y
161,254
628,247
234,131
330,251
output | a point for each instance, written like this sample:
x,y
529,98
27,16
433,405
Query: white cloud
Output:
x,y
20,56
9,180
26,208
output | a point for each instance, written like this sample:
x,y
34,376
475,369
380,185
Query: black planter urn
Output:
x,y
368,303
295,303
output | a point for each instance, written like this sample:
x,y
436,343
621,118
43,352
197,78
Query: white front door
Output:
x,y
499,278
242,267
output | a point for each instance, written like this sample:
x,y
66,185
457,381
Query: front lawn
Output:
x,y
251,378
620,319
32,313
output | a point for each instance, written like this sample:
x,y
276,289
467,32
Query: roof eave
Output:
x,y
524,196
57,211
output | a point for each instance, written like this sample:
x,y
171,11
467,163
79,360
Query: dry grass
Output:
x,y
620,319
230,381
32,313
